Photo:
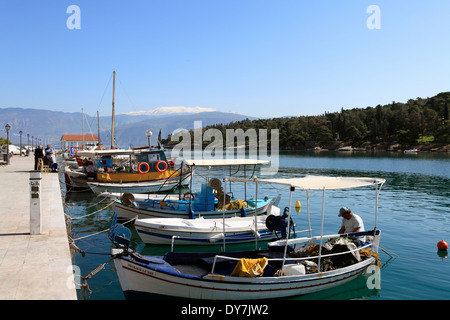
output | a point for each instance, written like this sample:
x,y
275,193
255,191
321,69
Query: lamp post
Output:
x,y
7,127
32,142
28,143
20,132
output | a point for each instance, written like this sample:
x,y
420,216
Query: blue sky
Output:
x,y
258,57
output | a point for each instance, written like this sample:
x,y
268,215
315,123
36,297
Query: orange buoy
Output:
x,y
442,245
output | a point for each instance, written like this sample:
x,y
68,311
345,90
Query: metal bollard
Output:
x,y
35,202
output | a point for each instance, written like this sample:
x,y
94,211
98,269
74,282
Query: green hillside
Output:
x,y
414,122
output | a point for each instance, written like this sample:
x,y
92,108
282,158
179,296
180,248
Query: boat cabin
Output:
x,y
153,158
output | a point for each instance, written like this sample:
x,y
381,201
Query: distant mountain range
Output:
x,y
130,127
166,111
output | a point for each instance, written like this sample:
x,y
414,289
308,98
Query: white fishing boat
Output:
x,y
207,203
253,274
185,208
137,196
202,231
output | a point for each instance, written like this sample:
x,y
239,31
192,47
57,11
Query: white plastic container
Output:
x,y
294,270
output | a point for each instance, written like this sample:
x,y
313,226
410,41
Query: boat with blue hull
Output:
x,y
212,201
183,209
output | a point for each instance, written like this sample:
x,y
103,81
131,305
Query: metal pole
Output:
x,y
223,211
7,127
288,226
321,230
377,193
98,128
20,132
307,207
112,117
256,222
245,182
82,128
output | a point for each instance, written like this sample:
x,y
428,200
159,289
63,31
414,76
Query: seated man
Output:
x,y
351,222
90,169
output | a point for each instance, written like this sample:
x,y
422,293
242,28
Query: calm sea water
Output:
x,y
413,214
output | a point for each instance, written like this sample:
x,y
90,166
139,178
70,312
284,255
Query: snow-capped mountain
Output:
x,y
162,111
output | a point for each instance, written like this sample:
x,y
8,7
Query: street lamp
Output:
x,y
20,132
7,127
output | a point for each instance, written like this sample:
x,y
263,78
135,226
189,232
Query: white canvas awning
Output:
x,y
320,182
112,152
224,162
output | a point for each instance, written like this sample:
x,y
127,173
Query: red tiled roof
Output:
x,y
79,137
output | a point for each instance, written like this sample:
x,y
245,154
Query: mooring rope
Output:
x,y
87,207
90,214
103,231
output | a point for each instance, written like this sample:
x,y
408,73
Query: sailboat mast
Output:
x,y
98,128
112,120
82,128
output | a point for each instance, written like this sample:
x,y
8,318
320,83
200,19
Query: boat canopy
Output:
x,y
320,182
224,162
107,152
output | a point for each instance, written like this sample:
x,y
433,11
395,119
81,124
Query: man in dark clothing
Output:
x,y
38,154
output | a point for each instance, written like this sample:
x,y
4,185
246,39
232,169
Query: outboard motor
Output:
x,y
279,223
118,234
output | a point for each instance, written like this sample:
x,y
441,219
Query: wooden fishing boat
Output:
x,y
259,274
202,231
208,203
185,208
127,170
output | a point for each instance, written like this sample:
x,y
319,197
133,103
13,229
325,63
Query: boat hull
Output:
x,y
139,187
76,180
138,279
127,212
123,177
203,231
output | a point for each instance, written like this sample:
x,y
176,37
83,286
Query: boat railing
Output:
x,y
252,229
320,256
172,243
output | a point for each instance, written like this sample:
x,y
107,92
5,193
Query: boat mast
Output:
x,y
98,128
112,118
82,128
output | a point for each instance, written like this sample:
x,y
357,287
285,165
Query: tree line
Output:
x,y
416,121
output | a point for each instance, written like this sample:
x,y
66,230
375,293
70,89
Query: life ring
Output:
x,y
147,167
165,166
188,196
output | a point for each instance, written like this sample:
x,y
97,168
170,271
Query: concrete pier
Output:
x,y
32,267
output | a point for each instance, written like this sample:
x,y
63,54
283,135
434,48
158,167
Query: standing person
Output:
x,y
351,222
38,154
48,160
